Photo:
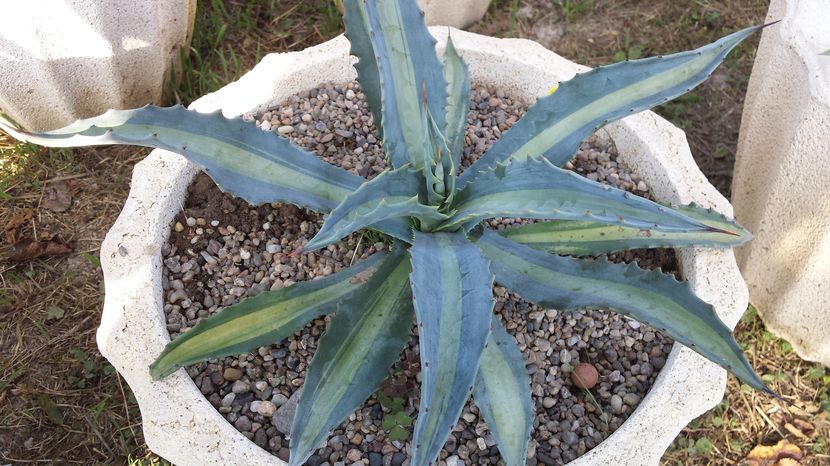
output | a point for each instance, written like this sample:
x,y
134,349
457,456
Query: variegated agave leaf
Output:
x,y
264,319
556,124
363,340
534,188
403,55
243,160
652,297
587,238
451,284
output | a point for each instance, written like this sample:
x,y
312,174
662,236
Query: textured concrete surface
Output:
x,y
455,13
180,425
782,177
61,60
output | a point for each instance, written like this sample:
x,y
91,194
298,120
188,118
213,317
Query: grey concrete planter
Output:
x,y
179,423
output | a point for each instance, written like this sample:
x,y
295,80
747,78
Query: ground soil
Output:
x,y
60,403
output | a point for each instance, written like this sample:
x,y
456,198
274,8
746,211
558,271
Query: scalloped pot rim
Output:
x,y
181,425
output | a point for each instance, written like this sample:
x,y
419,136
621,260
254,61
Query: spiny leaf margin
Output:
x,y
652,297
362,341
452,288
264,319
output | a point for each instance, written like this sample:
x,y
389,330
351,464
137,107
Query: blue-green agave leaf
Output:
x,y
409,72
534,188
390,195
502,394
452,285
556,124
361,343
585,238
243,160
265,319
366,66
651,297
458,104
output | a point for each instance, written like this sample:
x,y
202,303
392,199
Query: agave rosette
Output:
x,y
443,263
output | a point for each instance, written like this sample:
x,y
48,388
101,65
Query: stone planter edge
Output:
x,y
782,175
180,425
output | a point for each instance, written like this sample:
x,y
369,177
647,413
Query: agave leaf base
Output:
x,y
179,423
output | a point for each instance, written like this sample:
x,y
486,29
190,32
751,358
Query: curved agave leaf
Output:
x,y
458,102
502,394
366,66
390,195
584,238
264,319
409,71
557,124
534,188
452,285
649,296
242,159
362,341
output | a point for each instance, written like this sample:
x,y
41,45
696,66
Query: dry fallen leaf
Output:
x,y
782,453
56,197
20,218
50,408
795,431
28,249
803,425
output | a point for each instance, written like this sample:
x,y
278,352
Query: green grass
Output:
x,y
573,9
630,50
514,10
678,110
212,61
228,41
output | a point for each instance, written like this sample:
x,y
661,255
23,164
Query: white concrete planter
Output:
x,y
782,177
61,60
180,424
455,13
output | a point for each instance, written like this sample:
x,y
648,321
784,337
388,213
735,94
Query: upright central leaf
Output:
x,y
394,194
408,72
458,103
452,285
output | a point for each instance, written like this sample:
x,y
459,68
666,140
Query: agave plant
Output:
x,y
443,262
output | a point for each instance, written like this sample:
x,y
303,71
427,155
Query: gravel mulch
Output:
x,y
223,250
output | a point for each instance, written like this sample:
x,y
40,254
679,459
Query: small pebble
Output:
x,y
585,376
265,408
240,387
616,403
232,374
